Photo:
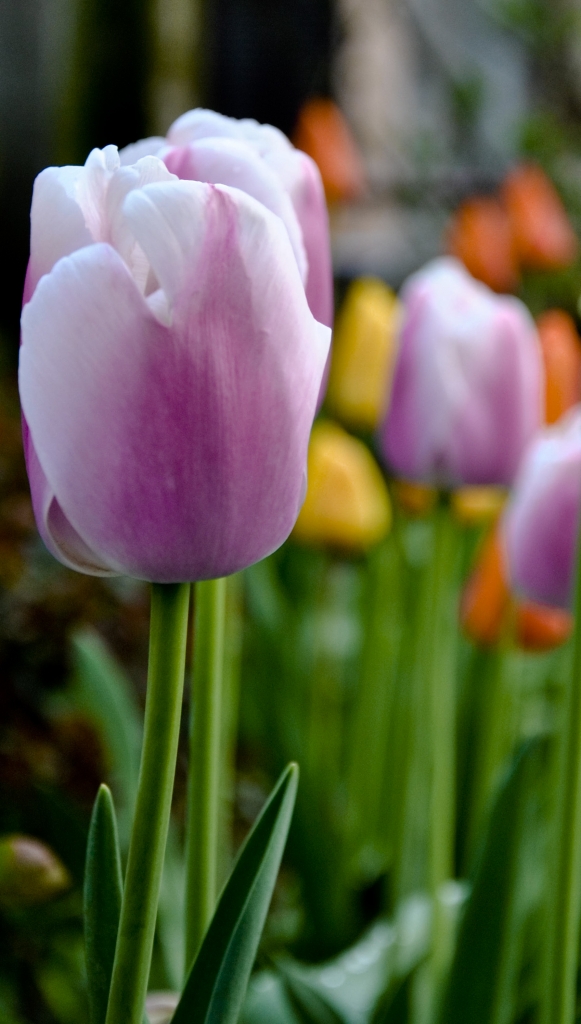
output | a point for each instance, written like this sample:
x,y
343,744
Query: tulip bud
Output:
x,y
364,346
30,872
541,628
541,519
481,236
347,503
475,505
542,231
324,134
486,596
468,386
561,349
170,364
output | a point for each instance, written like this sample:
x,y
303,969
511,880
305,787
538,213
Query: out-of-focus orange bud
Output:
x,y
415,499
542,231
364,349
486,595
540,627
475,505
347,502
324,134
30,872
480,235
561,347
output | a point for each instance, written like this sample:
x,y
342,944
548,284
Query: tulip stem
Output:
x,y
204,772
167,653
559,993
440,670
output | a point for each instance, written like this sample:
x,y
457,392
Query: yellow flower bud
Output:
x,y
475,505
364,349
347,502
29,872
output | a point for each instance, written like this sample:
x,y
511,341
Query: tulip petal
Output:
x,y
60,537
300,178
225,161
311,210
57,222
151,146
177,453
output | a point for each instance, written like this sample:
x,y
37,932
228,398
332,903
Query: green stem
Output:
x,y
167,653
204,773
563,931
440,670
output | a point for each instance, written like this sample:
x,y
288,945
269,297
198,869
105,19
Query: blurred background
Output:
x,y
410,108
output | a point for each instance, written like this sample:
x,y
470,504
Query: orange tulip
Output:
x,y
481,236
540,627
542,231
486,595
561,347
324,134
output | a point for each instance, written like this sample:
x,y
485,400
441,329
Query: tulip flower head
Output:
x,y
561,347
480,235
364,348
543,234
540,524
468,382
169,370
347,504
324,134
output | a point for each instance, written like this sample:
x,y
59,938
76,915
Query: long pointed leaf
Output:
x,y
478,974
217,981
102,902
308,1004
105,693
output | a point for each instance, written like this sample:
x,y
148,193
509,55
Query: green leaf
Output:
x,y
477,991
394,1008
106,695
308,1004
217,981
102,902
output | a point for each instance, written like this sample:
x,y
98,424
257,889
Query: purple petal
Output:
x,y
541,521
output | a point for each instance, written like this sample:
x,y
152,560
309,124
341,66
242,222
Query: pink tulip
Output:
x,y
468,383
169,371
541,520
205,146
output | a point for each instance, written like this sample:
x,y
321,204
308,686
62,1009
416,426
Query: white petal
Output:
x,y
231,162
169,222
57,222
145,147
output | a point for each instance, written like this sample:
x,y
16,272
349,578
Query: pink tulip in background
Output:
x,y
541,520
170,364
468,383
258,158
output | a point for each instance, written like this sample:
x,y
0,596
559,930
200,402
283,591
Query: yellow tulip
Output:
x,y
475,505
347,502
364,349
